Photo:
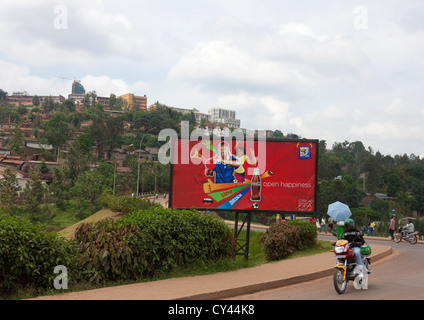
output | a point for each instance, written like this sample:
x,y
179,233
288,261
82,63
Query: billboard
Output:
x,y
243,176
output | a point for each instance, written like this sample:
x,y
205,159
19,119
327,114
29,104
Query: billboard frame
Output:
x,y
314,212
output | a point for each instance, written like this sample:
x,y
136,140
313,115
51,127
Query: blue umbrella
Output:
x,y
339,211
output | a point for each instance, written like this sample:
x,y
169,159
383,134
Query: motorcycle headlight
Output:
x,y
338,249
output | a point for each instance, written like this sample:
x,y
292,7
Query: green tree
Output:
x,y
34,195
48,104
85,143
371,167
69,106
56,130
91,185
76,163
17,143
36,101
112,101
9,188
3,95
61,185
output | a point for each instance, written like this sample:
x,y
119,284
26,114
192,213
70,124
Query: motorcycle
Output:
x,y
346,268
412,237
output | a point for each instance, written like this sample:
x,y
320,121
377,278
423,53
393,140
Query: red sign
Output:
x,y
244,176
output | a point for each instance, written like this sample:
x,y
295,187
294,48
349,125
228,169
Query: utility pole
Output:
x,y
139,149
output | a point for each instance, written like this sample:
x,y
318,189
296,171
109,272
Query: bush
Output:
x,y
172,237
127,204
150,242
107,253
280,241
308,233
29,254
285,238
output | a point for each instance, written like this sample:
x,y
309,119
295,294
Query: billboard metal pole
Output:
x,y
242,245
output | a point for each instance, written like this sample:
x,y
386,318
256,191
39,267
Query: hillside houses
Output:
x,y
24,115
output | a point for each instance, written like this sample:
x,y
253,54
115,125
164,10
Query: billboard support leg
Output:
x,y
242,245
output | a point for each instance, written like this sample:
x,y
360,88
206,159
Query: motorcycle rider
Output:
x,y
409,227
356,239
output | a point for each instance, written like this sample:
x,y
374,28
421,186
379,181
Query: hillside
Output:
x,y
103,214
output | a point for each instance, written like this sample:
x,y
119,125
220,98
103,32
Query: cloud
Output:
x,y
18,78
286,65
260,112
223,66
46,33
104,86
13,74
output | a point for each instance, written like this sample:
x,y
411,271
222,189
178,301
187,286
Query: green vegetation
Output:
x,y
143,245
29,254
283,239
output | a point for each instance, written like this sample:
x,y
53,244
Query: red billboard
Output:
x,y
233,175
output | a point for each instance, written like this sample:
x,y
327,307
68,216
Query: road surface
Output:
x,y
399,277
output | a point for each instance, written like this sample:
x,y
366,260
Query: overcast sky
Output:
x,y
330,70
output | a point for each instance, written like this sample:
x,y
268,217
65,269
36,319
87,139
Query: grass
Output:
x,y
256,258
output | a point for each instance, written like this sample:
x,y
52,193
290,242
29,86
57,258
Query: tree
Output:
x,y
371,166
61,185
85,143
76,163
17,143
91,185
56,130
36,101
34,195
278,134
8,188
68,105
394,185
48,104
22,110
112,101
3,95
106,132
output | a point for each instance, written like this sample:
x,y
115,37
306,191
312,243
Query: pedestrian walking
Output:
x,y
371,229
330,224
392,227
323,226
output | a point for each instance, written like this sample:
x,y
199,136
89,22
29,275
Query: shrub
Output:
x,y
281,240
29,254
308,232
107,252
172,237
149,242
127,204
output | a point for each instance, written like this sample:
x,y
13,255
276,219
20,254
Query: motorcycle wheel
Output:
x,y
397,238
413,240
339,284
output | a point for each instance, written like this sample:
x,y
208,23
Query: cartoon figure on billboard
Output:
x,y
225,165
242,158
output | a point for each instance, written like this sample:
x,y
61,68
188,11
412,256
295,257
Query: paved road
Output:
x,y
400,277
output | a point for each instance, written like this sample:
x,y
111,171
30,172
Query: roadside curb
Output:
x,y
267,285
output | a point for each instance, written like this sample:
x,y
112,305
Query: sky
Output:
x,y
329,70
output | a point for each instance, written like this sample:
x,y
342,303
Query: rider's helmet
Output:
x,y
349,224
